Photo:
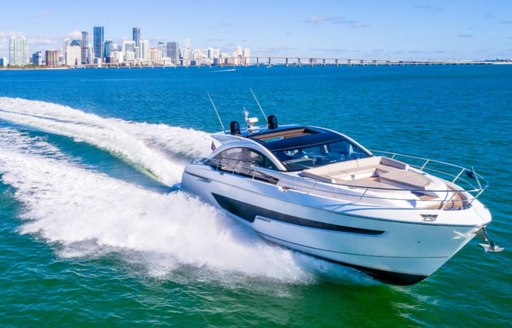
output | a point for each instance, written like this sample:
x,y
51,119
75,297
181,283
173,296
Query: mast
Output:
x,y
216,112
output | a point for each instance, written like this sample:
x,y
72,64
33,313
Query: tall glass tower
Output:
x,y
84,48
136,36
109,48
99,42
18,51
173,52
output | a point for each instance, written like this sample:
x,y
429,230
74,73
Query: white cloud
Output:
x,y
37,42
269,51
317,19
215,40
331,50
41,40
4,40
8,35
430,8
336,20
77,35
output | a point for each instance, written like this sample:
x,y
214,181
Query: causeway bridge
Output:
x,y
321,61
289,61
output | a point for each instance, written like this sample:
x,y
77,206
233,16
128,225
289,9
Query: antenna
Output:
x,y
264,116
216,112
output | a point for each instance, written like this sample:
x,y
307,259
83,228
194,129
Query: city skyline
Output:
x,y
79,52
377,30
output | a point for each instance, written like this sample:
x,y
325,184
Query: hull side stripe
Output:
x,y
249,212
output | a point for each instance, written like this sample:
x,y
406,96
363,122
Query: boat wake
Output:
x,y
156,147
90,214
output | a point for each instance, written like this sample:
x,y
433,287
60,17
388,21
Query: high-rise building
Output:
x,y
144,50
163,48
18,51
185,56
198,57
52,58
109,49
37,58
73,54
3,61
169,49
85,55
209,53
99,40
117,56
246,55
173,52
155,56
241,56
136,36
90,54
136,40
129,51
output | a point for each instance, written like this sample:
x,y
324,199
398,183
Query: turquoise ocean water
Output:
x,y
91,233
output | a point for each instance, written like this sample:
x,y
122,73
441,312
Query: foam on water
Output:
x,y
88,212
92,214
157,148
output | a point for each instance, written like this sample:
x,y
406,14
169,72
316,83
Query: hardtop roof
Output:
x,y
294,136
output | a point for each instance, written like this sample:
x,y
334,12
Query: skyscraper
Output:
x,y
163,48
52,58
129,51
84,48
144,50
155,56
136,36
73,51
173,52
37,58
109,49
18,51
99,43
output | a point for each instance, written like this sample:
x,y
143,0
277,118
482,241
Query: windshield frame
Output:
x,y
297,157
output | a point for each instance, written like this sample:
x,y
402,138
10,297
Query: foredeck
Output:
x,y
374,171
385,175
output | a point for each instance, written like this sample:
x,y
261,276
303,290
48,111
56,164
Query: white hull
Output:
x,y
396,246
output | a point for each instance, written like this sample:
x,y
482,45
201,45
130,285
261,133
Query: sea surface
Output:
x,y
93,234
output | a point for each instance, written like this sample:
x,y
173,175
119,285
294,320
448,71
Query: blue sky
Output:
x,y
370,29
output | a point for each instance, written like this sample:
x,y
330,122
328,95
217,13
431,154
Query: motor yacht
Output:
x,y
397,218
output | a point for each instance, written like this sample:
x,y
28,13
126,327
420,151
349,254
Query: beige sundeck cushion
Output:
x,y
341,167
370,172
386,161
410,179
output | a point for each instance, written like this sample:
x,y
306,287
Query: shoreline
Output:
x,y
18,68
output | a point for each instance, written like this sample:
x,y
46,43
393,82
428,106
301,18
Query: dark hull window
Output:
x,y
242,161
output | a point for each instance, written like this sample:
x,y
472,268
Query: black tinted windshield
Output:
x,y
304,157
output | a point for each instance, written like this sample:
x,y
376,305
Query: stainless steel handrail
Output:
x,y
470,194
460,169
342,190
